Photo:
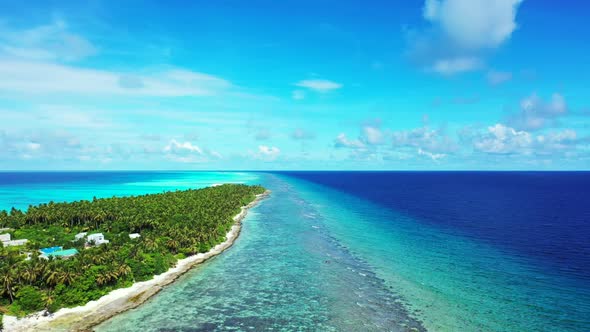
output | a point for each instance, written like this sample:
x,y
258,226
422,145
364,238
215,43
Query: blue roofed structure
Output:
x,y
50,250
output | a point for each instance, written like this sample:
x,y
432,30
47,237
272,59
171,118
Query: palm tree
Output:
x,y
51,277
7,281
124,270
48,298
66,277
29,274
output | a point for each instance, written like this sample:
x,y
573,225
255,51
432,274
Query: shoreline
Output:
x,y
83,318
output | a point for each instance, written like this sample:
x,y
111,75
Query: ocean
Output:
x,y
369,251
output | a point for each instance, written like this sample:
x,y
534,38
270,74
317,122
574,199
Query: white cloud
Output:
x,y
27,77
41,144
318,85
557,141
176,147
186,152
504,140
535,113
268,153
501,139
456,65
433,156
372,135
342,141
474,24
426,142
423,138
53,42
462,33
498,77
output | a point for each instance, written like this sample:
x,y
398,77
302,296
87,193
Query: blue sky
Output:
x,y
428,85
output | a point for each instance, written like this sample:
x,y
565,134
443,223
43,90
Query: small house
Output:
x,y
7,242
4,237
20,242
80,236
97,239
134,236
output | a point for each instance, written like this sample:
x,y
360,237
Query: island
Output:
x,y
65,255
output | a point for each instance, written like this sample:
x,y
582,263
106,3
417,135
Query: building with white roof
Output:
x,y
6,241
12,243
80,236
97,239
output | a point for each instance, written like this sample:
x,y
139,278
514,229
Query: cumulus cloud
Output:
x,y
319,85
374,143
501,139
342,141
557,141
462,32
424,138
473,24
372,135
504,140
187,152
535,113
423,141
176,147
433,156
268,153
41,144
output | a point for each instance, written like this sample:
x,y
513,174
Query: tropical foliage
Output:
x,y
172,225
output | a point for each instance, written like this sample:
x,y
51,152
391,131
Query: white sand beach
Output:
x,y
84,317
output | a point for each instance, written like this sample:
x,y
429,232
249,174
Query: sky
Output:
x,y
295,85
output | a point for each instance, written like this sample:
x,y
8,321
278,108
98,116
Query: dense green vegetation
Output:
x,y
172,225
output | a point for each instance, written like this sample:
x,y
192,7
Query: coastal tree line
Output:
x,y
172,225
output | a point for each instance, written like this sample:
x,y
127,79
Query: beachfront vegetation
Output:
x,y
172,225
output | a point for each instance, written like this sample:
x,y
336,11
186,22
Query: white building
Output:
x,y
80,236
6,241
134,236
15,243
97,239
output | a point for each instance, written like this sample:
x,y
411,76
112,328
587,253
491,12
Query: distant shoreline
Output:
x,y
82,318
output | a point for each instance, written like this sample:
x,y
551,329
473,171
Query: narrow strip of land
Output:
x,y
122,299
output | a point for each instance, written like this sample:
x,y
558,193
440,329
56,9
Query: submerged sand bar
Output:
x,y
122,299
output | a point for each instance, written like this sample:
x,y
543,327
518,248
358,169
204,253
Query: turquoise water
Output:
x,y
311,258
20,190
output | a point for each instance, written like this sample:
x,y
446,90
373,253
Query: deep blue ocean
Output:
x,y
538,215
369,251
